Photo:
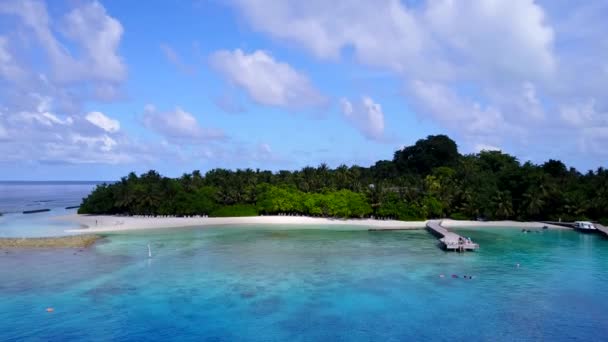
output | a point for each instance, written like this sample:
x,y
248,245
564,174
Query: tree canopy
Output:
x,y
427,180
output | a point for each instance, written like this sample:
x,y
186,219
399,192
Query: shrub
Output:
x,y
235,210
459,216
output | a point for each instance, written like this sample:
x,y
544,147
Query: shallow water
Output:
x,y
44,224
16,197
256,284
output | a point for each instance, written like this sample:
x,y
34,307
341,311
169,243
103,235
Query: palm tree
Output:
x,y
186,181
503,205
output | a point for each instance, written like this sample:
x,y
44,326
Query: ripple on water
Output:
x,y
303,285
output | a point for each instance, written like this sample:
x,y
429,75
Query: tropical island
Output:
x,y
429,179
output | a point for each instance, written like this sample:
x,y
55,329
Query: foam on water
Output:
x,y
257,284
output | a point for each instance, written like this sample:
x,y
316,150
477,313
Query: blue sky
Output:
x,y
95,89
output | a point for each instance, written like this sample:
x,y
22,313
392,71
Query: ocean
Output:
x,y
258,283
19,196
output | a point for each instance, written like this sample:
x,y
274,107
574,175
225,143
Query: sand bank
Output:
x,y
116,224
73,241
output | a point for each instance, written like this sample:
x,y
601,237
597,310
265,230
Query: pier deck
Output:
x,y
602,229
450,241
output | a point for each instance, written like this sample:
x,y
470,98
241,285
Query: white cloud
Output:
x,y
266,81
40,134
103,142
484,147
583,114
3,132
531,103
468,119
490,72
382,33
41,114
446,106
49,68
94,34
9,68
99,36
102,121
366,116
178,125
499,38
589,126
593,140
437,40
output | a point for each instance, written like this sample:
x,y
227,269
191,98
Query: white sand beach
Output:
x,y
116,224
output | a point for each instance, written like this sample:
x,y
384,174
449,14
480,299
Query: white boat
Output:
x,y
585,226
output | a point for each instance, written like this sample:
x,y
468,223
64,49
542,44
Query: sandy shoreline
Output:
x,y
114,224
117,224
72,241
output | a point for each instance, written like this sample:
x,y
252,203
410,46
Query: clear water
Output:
x,y
257,284
16,197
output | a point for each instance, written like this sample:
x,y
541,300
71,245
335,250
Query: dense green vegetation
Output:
x,y
427,180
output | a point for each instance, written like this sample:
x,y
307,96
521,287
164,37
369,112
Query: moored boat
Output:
x,y
584,226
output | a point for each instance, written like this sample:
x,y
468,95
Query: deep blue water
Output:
x,y
257,284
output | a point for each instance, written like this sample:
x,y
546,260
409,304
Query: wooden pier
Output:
x,y
450,241
599,228
560,223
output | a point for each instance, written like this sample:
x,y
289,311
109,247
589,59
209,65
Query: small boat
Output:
x,y
584,226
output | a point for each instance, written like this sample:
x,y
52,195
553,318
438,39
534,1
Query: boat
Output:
x,y
584,226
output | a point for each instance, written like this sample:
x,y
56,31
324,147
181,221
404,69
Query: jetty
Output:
x,y
450,241
598,227
602,229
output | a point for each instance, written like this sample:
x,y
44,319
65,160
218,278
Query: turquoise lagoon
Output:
x,y
263,284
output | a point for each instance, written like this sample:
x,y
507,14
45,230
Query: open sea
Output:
x,y
289,284
19,196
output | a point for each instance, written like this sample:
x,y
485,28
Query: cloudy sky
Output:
x,y
95,89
